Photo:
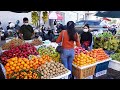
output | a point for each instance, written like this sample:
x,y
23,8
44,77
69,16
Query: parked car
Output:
x,y
94,26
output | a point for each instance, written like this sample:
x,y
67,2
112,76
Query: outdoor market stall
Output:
x,y
36,59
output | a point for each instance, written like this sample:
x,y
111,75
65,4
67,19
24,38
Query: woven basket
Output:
x,y
83,73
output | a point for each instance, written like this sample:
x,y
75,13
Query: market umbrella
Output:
x,y
111,14
55,15
107,19
100,14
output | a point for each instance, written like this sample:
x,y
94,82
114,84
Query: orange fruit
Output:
x,y
21,66
22,62
31,62
18,64
27,62
8,69
13,68
31,65
8,64
25,65
11,63
15,61
34,64
28,67
17,67
11,72
24,68
19,60
14,65
20,69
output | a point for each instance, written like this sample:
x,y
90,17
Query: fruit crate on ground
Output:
x,y
64,76
114,64
84,72
102,67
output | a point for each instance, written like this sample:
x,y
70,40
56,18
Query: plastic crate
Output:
x,y
84,72
64,76
114,64
101,67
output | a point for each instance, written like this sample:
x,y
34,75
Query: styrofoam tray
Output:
x,y
89,77
28,41
104,60
114,65
64,76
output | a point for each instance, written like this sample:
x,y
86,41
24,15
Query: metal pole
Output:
x,y
77,16
39,17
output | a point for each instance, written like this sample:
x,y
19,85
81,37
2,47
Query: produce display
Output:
x,y
22,51
78,50
115,56
50,51
83,60
106,41
99,54
13,43
105,35
17,64
52,69
118,50
45,16
36,42
35,18
25,74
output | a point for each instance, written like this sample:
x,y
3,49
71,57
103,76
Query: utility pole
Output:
x,y
86,15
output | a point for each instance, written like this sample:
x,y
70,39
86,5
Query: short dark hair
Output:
x,y
25,19
87,25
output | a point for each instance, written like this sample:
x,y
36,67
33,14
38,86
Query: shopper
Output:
x,y
1,26
69,37
50,35
86,38
2,72
17,27
8,27
26,30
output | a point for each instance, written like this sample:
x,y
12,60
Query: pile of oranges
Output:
x,y
83,60
29,74
99,54
47,58
17,64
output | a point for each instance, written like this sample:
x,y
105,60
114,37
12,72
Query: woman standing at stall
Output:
x,y
86,38
69,37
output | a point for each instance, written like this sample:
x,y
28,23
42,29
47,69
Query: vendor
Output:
x,y
26,30
86,38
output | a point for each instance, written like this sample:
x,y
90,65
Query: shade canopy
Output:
x,y
110,14
55,15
